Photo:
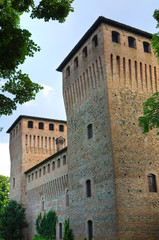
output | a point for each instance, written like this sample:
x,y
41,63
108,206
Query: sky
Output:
x,y
56,41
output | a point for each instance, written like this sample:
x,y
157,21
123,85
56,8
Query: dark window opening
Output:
x,y
90,131
90,230
32,176
61,128
29,178
64,160
84,52
67,199
95,41
58,162
39,172
152,183
132,42
60,231
88,188
44,170
51,127
146,46
76,62
68,71
36,175
48,168
115,37
14,182
53,166
30,124
41,125
42,205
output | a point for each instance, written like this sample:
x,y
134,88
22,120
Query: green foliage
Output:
x,y
155,38
150,119
67,231
16,44
12,221
4,191
46,225
36,237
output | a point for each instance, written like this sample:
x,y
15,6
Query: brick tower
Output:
x,y
32,140
113,168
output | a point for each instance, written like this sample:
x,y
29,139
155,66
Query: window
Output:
x,y
30,124
28,178
41,125
61,128
36,174
131,42
44,170
88,188
68,71
39,172
90,230
95,41
43,205
152,183
51,127
58,162
84,52
146,47
53,166
48,168
64,160
14,182
60,230
89,131
67,199
32,176
115,37
76,62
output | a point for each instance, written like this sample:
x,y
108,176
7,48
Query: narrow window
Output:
x,y
14,182
95,41
124,70
60,230
90,230
115,37
30,124
152,183
88,188
53,166
42,205
61,128
84,52
146,74
67,199
136,78
89,131
68,71
150,72
36,174
131,42
111,62
146,47
44,170
32,176
58,162
28,178
118,65
41,125
130,76
76,62
141,74
39,172
64,160
155,75
48,168
51,127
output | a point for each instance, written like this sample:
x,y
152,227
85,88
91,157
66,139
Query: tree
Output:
x,y
150,117
12,221
16,44
67,231
4,191
46,225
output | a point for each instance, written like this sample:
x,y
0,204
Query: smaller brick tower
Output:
x,y
32,140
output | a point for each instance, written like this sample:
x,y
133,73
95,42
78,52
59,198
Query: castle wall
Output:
x,y
86,101
132,76
47,189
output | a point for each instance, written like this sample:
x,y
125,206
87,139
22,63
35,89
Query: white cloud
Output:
x,y
4,159
47,90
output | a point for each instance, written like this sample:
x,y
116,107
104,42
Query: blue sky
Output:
x,y
56,41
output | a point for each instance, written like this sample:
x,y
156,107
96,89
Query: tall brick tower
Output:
x,y
32,140
113,168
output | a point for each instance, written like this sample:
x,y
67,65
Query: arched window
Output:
x,y
84,52
42,204
95,41
90,131
131,42
58,162
60,230
48,168
40,172
64,160
61,128
146,47
53,165
30,124
67,199
68,71
76,62
115,37
88,188
51,127
41,125
44,170
36,174
152,183
29,178
32,176
14,182
90,229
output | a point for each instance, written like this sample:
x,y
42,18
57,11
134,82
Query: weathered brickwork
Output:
x,y
102,183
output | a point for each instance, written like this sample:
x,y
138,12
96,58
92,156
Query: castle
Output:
x,y
98,169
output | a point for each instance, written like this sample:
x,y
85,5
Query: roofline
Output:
x,y
47,159
35,118
96,24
